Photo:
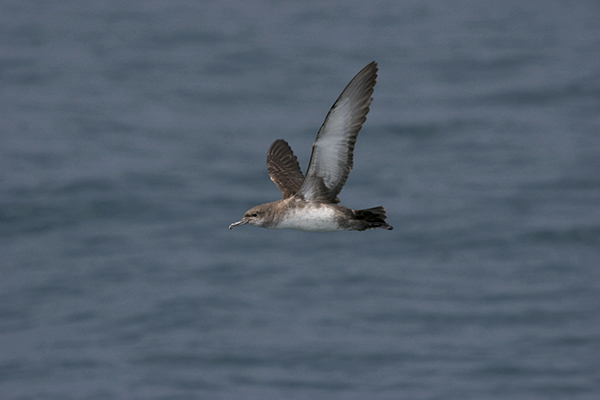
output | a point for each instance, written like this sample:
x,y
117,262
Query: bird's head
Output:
x,y
257,216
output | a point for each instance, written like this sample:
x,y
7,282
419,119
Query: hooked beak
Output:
x,y
242,222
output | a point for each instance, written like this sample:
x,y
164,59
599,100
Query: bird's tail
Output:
x,y
373,218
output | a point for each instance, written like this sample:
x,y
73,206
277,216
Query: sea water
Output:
x,y
132,133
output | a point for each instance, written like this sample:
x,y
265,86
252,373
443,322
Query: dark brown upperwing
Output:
x,y
284,169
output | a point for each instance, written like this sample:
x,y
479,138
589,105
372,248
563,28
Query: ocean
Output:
x,y
132,133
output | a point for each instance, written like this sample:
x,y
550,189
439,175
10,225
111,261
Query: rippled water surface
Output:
x,y
133,133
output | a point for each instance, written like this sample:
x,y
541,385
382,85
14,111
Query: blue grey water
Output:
x,y
132,133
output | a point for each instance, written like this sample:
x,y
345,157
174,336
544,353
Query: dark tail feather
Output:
x,y
374,218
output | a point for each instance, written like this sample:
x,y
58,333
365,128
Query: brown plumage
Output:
x,y
310,202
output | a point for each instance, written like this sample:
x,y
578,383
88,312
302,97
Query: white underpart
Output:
x,y
321,219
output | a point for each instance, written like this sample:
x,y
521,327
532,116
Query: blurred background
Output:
x,y
132,133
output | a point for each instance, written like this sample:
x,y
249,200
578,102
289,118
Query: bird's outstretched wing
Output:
x,y
284,169
332,153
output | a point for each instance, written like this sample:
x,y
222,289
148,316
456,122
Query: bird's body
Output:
x,y
310,203
307,216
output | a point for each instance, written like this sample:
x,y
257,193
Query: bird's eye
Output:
x,y
255,215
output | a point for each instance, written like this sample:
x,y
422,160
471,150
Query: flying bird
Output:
x,y
311,203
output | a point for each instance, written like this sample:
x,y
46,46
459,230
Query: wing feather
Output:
x,y
333,150
284,169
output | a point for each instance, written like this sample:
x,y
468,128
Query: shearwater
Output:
x,y
310,203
